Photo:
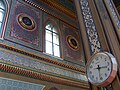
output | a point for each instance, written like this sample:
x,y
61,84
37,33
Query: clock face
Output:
x,y
100,68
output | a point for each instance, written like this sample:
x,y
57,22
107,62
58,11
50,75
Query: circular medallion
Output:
x,y
26,22
73,43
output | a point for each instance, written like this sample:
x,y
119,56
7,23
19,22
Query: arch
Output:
x,y
3,16
52,38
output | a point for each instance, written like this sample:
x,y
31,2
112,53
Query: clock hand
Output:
x,y
98,67
103,67
99,73
99,70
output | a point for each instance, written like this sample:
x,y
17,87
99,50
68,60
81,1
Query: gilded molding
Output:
x,y
73,43
23,23
81,70
54,5
40,76
58,6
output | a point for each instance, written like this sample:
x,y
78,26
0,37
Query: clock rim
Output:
x,y
113,72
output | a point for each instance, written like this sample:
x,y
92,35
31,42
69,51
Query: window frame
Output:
x,y
54,24
4,19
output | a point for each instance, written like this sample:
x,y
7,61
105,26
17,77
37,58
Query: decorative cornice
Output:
x,y
40,76
81,70
55,5
26,62
61,8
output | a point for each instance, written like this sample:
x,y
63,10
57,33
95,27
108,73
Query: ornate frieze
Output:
x,y
61,63
57,5
29,63
40,76
114,13
92,34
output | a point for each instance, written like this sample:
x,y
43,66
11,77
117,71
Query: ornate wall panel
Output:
x,y
24,26
67,48
59,11
24,31
72,46
23,45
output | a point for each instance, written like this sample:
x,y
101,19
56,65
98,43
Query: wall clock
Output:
x,y
101,69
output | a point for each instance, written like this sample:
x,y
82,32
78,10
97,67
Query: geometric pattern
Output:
x,y
9,84
40,76
29,63
92,34
71,54
18,32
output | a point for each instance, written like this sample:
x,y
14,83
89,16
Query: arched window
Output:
x,y
2,13
52,45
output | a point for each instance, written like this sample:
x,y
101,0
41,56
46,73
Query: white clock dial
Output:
x,y
100,68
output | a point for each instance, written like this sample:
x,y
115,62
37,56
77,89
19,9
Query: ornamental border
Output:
x,y
23,61
81,70
92,34
55,6
35,75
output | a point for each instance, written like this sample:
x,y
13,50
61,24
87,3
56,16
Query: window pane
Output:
x,y
49,27
56,50
2,5
55,39
0,27
49,47
55,30
52,40
48,36
1,15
